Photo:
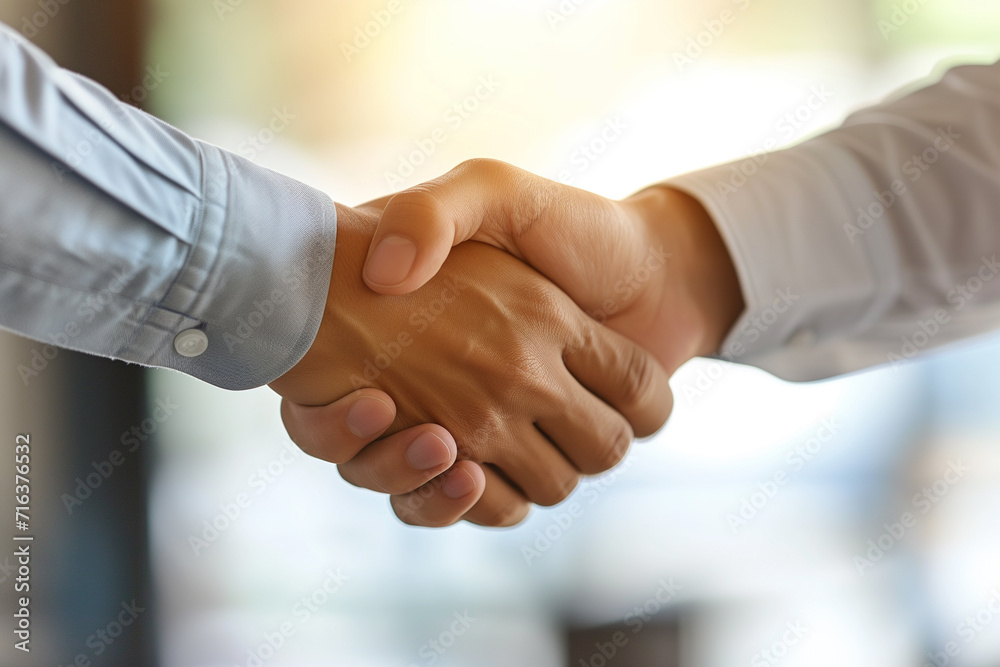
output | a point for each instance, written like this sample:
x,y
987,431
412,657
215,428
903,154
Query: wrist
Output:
x,y
303,383
701,290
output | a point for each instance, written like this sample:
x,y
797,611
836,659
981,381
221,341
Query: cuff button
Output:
x,y
191,343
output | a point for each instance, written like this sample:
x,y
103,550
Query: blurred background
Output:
x,y
851,521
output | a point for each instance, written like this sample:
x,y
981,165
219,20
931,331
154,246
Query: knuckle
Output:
x,y
483,166
640,377
583,337
525,373
484,433
530,195
545,307
419,200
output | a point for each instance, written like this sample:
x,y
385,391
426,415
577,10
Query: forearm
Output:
x,y
127,239
847,244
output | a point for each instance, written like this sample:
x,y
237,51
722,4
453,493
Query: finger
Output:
x,y
624,375
540,470
591,434
501,505
338,431
443,500
494,502
420,225
402,462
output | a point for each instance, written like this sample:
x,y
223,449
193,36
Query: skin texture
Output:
x,y
652,266
530,386
608,256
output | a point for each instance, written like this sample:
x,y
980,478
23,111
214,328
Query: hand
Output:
x,y
651,267
408,463
526,382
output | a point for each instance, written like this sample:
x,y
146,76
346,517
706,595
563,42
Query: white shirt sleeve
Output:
x,y
123,237
871,243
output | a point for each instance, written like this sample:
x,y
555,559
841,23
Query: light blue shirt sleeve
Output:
x,y
123,237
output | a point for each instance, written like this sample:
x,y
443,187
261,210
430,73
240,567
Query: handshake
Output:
x,y
490,336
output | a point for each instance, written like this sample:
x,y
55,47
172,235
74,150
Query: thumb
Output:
x,y
479,200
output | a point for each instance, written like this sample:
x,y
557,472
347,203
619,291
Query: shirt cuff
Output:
x,y
249,300
786,219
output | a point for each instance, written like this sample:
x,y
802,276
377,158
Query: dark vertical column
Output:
x,y
104,564
91,584
110,573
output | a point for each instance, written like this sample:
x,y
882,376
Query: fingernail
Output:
x,y
458,484
368,417
428,451
391,262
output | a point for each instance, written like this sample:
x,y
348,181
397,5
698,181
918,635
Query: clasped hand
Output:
x,y
469,383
